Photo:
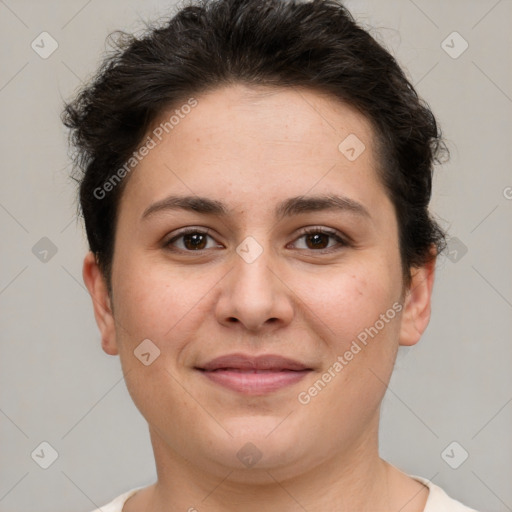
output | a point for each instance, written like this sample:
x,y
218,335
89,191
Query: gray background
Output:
x,y
56,384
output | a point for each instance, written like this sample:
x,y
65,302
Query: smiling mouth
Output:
x,y
254,382
251,370
254,375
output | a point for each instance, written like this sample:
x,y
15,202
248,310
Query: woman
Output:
x,y
254,179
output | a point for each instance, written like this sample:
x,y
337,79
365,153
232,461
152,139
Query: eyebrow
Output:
x,y
291,206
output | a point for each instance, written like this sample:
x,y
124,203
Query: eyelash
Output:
x,y
341,241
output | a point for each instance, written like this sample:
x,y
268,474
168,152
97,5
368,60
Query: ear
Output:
x,y
416,310
95,282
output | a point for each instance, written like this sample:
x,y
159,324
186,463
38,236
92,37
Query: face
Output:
x,y
257,254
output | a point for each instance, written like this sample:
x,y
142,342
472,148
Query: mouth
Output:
x,y
254,375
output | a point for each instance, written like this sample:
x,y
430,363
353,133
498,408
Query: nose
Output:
x,y
255,296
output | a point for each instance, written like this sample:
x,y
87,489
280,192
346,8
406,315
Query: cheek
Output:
x,y
358,318
155,303
350,302
156,300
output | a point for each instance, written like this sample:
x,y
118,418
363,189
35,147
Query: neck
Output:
x,y
350,480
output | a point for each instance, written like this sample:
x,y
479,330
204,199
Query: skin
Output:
x,y
252,148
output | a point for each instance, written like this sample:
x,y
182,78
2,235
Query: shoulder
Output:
x,y
439,501
116,505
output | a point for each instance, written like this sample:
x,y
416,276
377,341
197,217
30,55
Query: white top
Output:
x,y
437,501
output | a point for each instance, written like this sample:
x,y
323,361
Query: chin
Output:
x,y
261,444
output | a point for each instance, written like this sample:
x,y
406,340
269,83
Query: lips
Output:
x,y
254,375
263,363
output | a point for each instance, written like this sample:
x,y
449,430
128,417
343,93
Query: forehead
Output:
x,y
292,114
254,138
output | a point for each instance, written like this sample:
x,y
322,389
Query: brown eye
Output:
x,y
317,241
194,242
191,240
320,239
